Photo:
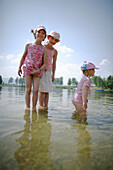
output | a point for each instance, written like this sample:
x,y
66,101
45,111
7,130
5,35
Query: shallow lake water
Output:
x,y
60,139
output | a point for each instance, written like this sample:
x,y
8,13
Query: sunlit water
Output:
x,y
59,140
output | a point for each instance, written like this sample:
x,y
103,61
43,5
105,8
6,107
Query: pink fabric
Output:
x,y
85,81
33,60
50,54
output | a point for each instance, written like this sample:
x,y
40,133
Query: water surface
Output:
x,y
59,139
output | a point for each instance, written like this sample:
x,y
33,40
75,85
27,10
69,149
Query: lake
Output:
x,y
60,139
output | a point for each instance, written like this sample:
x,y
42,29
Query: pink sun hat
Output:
x,y
88,65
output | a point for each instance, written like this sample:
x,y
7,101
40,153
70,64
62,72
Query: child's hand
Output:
x,y
84,105
19,72
35,72
53,78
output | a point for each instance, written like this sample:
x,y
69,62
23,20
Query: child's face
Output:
x,y
52,40
40,35
91,72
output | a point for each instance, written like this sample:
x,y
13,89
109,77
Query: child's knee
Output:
x,y
35,91
28,90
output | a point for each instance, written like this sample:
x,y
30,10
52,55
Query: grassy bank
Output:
x,y
60,87
65,87
11,85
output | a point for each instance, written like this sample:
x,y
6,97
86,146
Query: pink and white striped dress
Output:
x,y
50,54
46,79
33,60
85,81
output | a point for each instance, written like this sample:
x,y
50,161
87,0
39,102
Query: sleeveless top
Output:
x,y
85,81
50,54
33,60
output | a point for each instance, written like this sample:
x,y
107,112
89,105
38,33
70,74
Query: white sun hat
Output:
x,y
40,27
55,35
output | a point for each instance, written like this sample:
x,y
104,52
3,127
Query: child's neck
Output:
x,y
38,42
86,74
49,46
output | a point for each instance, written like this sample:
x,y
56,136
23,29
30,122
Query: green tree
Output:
x,y
17,80
69,82
104,83
110,82
61,81
10,81
74,81
94,80
55,81
99,82
21,81
58,81
1,81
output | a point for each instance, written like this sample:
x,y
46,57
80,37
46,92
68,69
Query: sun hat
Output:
x,y
40,27
88,65
55,35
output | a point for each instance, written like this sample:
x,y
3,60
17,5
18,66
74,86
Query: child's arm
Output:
x,y
84,96
54,65
22,60
44,64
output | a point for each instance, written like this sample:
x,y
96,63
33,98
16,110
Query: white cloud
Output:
x,y
20,55
105,68
104,61
17,60
1,57
68,55
10,68
9,71
68,71
64,50
10,56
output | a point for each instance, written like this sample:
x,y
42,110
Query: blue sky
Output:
x,y
85,26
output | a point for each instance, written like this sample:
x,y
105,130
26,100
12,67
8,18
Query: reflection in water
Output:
x,y
79,117
33,152
20,90
68,142
0,88
83,140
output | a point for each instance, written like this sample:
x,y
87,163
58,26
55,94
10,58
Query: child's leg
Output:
x,y
41,98
78,106
46,99
36,81
28,90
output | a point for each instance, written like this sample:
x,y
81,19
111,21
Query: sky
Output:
x,y
85,27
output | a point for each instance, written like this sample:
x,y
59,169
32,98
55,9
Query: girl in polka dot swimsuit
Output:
x,y
31,62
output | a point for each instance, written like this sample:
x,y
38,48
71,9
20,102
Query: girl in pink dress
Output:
x,y
79,99
33,66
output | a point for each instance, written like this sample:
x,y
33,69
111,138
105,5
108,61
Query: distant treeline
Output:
x,y
96,80
21,81
102,82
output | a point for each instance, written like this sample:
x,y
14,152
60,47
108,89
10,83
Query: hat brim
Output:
x,y
97,67
53,37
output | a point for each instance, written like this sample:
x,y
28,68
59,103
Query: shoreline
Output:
x,y
57,86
